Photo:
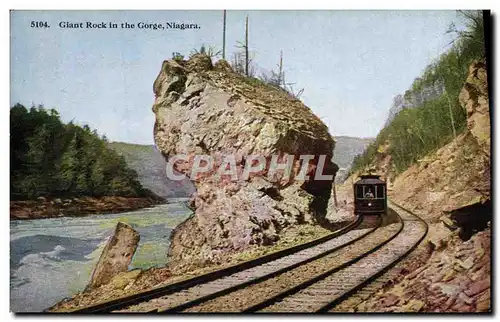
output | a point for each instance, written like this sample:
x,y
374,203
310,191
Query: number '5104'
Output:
x,y
39,24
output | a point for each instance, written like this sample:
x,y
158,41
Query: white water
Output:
x,y
51,259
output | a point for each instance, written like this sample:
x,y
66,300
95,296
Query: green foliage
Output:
x,y
50,158
177,56
415,132
211,52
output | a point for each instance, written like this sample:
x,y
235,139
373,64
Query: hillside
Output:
x,y
432,115
150,165
436,157
450,189
50,158
61,169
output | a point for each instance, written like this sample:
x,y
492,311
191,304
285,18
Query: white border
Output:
x,y
149,4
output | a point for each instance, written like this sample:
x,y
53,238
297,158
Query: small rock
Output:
x,y
483,306
438,277
479,253
390,300
449,302
449,289
467,264
483,301
478,287
449,275
416,272
413,306
124,279
361,307
450,224
465,298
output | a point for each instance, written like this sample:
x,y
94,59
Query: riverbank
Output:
x,y
43,208
131,282
52,259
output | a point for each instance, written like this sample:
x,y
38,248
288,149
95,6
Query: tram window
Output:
x,y
380,192
369,191
359,192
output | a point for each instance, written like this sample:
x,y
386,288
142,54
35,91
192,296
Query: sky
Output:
x,y
350,63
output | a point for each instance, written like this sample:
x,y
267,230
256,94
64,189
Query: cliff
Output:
x,y
451,189
458,174
205,109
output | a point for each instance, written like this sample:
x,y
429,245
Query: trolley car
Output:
x,y
370,195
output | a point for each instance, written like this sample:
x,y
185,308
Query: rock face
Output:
x,y
450,189
454,279
205,109
474,98
116,256
458,174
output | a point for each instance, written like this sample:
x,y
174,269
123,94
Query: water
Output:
x,y
51,259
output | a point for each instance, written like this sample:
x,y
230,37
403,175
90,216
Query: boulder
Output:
x,y
116,256
210,110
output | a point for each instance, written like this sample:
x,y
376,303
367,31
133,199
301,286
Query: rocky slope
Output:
x,y
456,278
149,164
206,109
450,189
458,174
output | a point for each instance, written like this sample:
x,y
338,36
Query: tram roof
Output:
x,y
370,179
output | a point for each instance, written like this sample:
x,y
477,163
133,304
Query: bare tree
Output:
x,y
246,46
210,52
242,62
224,37
280,72
450,109
238,63
274,78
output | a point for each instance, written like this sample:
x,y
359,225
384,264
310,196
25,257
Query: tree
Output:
x,y
49,158
69,167
224,36
246,46
211,52
177,56
280,70
238,59
426,124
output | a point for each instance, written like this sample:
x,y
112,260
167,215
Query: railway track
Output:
x,y
303,252
326,292
260,295
225,285
313,278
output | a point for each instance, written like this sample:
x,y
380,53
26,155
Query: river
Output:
x,y
51,259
